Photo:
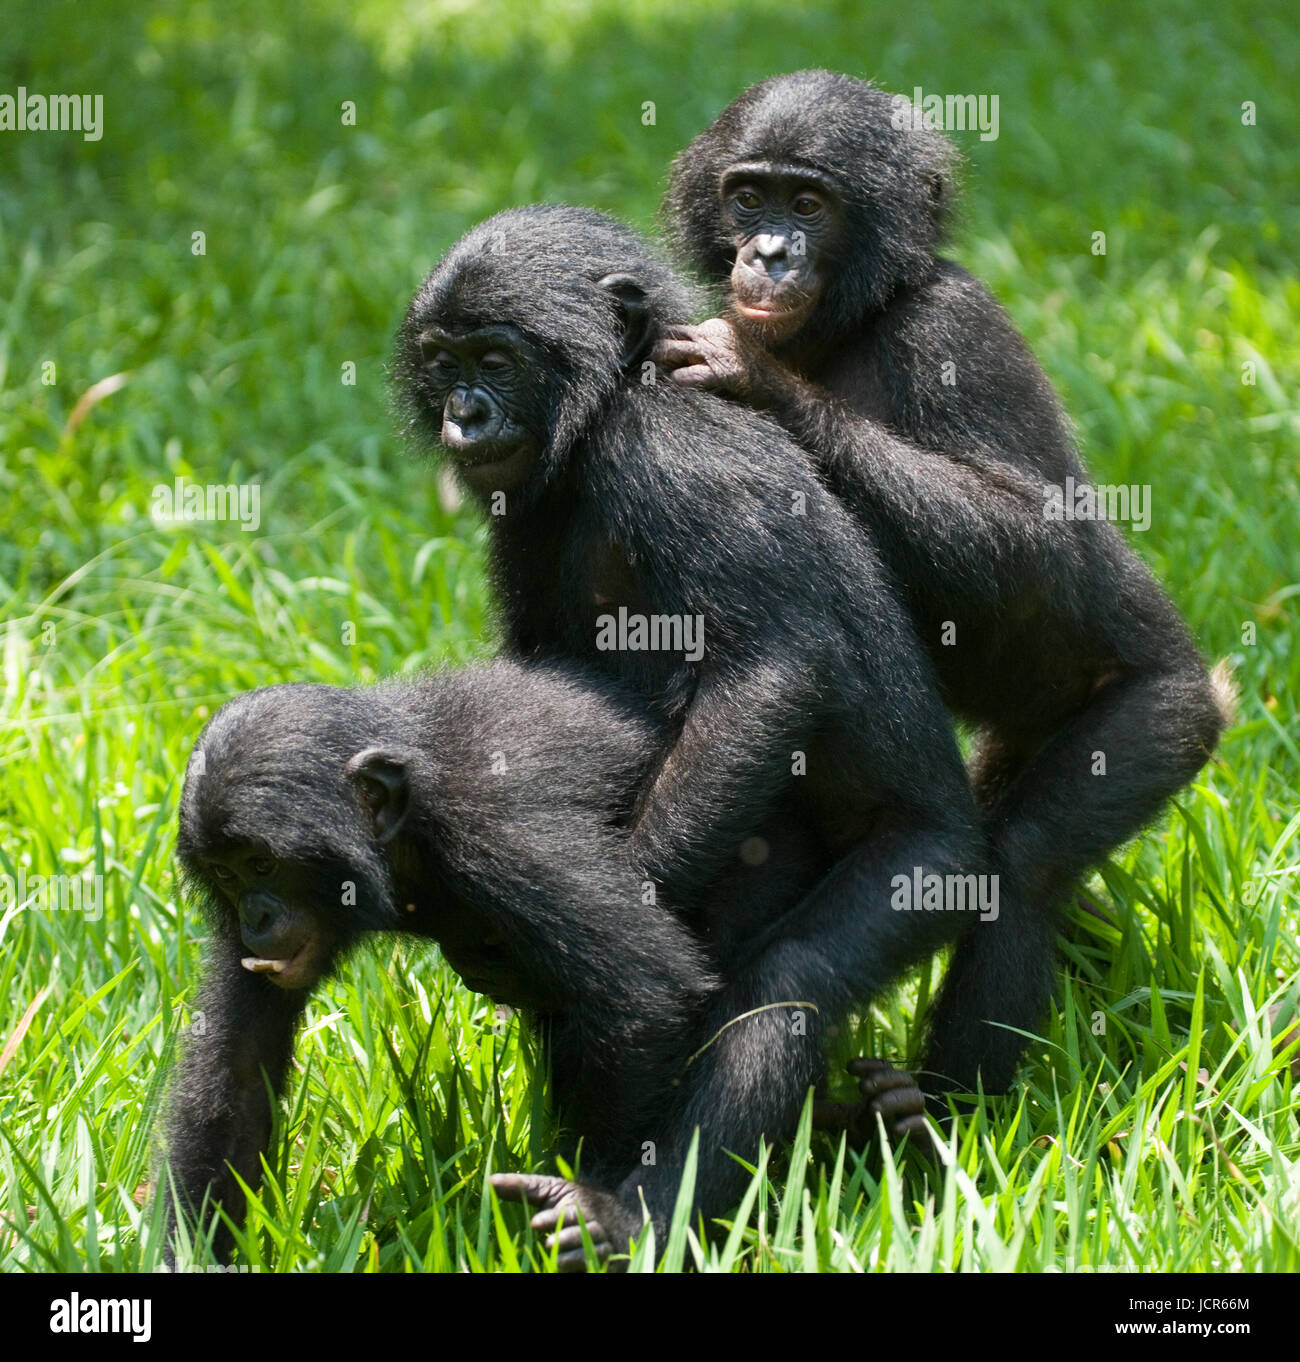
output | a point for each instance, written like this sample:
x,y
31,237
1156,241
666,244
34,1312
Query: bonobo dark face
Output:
x,y
486,383
286,941
785,221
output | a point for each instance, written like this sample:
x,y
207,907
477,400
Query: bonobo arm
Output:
x,y
726,770
965,497
220,1119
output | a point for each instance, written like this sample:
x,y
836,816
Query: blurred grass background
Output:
x,y
1169,1140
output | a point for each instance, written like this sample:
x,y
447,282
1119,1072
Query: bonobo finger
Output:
x,y
569,1240
535,1189
549,1218
915,1131
883,1084
865,1065
716,328
572,1256
675,352
878,1075
896,1103
695,376
576,1262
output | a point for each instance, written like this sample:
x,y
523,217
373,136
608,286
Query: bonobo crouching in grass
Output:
x,y
821,207
480,809
615,498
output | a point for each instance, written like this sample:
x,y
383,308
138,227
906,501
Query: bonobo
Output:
x,y
822,207
478,808
627,518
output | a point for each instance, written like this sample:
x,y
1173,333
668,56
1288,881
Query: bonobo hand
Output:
x,y
609,1226
709,356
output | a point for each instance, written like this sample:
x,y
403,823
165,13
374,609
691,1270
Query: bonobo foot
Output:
x,y
610,1226
887,1092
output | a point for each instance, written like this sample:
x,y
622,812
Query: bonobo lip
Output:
x,y
297,971
472,448
485,455
771,314
481,451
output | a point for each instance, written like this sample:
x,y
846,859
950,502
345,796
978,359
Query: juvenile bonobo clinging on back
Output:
x,y
620,502
478,808
822,206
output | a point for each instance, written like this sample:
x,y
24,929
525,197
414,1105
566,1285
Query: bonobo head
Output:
x,y
517,339
809,199
290,804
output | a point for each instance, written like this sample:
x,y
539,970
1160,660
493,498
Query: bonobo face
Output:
x,y
486,383
785,221
286,942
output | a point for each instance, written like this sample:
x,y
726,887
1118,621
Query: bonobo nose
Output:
x,y
261,919
773,251
466,407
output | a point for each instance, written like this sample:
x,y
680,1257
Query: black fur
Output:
x,y
607,492
518,780
1065,645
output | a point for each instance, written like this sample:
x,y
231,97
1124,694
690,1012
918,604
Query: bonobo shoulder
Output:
x,y
669,426
974,386
920,317
539,723
568,695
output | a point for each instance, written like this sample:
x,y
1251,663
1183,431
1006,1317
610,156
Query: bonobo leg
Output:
x,y
1001,976
1092,785
762,1045
221,1115
887,1092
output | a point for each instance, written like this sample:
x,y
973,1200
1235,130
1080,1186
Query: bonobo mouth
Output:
x,y
299,970
785,318
485,443
765,311
480,453
489,462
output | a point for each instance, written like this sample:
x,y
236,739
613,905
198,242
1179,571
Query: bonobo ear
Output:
x,y
633,314
380,779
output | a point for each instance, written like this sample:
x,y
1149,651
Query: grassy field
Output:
x,y
1155,1125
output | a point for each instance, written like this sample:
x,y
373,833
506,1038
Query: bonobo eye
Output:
x,y
220,871
747,199
806,206
436,357
495,362
263,865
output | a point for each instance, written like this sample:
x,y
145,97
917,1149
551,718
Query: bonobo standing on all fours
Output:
x,y
821,204
479,809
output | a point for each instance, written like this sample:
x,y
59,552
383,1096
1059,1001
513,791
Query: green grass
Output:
x,y
1155,1124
